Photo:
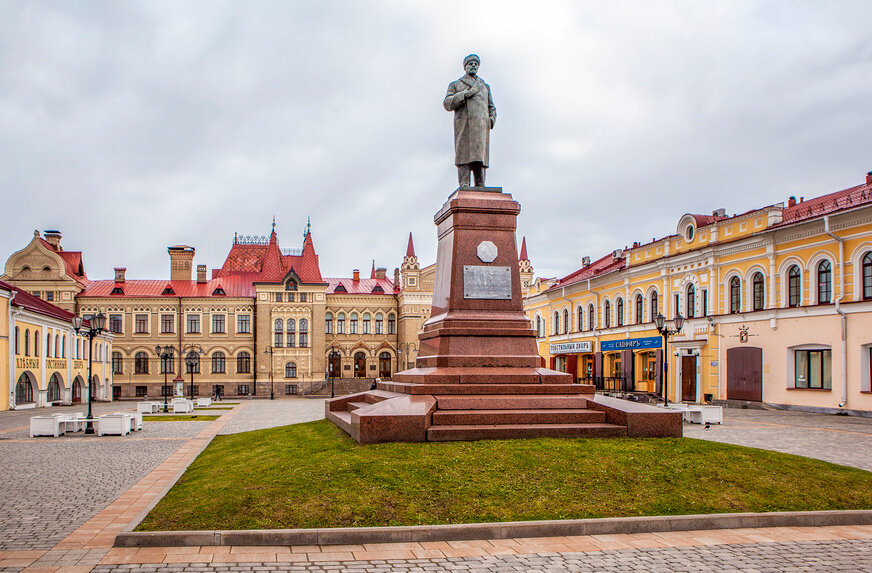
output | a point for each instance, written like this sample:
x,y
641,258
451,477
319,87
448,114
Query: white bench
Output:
x,y
704,414
46,426
114,424
147,407
182,406
204,402
73,422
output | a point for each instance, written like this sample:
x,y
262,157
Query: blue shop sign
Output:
x,y
631,344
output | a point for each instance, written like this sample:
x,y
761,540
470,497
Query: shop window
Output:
x,y
54,389
615,365
639,305
23,390
794,286
735,295
759,291
690,301
867,276
813,369
825,283
218,362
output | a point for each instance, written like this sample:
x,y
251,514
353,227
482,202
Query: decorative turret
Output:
x,y
411,269
525,267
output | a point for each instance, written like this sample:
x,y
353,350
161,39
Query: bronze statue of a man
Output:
x,y
474,116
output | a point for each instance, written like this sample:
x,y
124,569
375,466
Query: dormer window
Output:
x,y
378,289
291,285
117,290
688,233
168,291
340,288
218,292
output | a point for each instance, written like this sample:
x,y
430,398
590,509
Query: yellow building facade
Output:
x,y
777,308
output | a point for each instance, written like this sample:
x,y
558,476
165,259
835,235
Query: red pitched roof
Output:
x,y
269,265
602,266
24,299
363,286
73,263
703,220
233,285
827,204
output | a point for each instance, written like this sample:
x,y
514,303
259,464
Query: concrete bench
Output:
x,y
204,402
46,426
114,424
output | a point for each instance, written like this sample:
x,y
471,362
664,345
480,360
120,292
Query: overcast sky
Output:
x,y
131,126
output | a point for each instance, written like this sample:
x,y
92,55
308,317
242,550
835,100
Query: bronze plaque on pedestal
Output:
x,y
491,283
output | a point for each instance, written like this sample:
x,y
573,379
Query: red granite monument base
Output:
x,y
478,373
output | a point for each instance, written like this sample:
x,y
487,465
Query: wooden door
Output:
x,y
384,365
688,378
745,373
116,393
360,365
77,391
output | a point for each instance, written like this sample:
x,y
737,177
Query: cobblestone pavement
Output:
x,y
847,555
260,414
845,440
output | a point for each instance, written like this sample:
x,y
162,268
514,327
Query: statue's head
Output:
x,y
471,64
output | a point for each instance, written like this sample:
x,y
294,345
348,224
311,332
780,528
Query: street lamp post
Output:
x,y
165,353
666,332
96,324
192,354
269,350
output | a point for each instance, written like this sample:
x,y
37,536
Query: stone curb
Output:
x,y
508,530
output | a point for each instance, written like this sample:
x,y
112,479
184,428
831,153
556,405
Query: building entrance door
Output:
x,y
384,365
116,393
360,365
688,378
745,373
77,391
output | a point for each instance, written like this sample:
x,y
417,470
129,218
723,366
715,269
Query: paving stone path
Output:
x,y
848,555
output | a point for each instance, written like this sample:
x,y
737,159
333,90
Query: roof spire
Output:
x,y
274,224
372,272
410,250
308,227
523,256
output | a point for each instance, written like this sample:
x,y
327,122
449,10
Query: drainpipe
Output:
x,y
844,320
596,309
12,380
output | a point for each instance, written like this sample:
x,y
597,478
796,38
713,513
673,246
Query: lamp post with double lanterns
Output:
x,y
165,353
666,332
96,326
192,353
269,350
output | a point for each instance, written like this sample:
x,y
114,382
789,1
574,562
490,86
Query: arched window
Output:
x,y
379,324
194,366
278,327
366,320
825,284
48,345
57,352
591,322
140,363
117,363
392,324
735,295
607,311
328,323
619,308
27,342
655,305
793,286
867,276
340,323
690,301
579,319
168,363
54,388
352,327
291,370
64,346
565,321
218,365
538,325
759,291
639,307
556,323
36,343
17,347
243,363
304,333
23,390
292,333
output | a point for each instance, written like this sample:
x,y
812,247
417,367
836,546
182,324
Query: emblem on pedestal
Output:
x,y
487,251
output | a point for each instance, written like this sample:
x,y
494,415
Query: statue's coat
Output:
x,y
473,119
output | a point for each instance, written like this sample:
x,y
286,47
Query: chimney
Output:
x,y
719,213
396,277
201,273
801,199
181,261
356,275
791,201
869,178
617,254
53,238
585,261
380,273
119,274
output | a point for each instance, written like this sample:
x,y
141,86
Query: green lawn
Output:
x,y
313,475
181,418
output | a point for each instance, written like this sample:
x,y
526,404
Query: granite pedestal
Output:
x,y
478,373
